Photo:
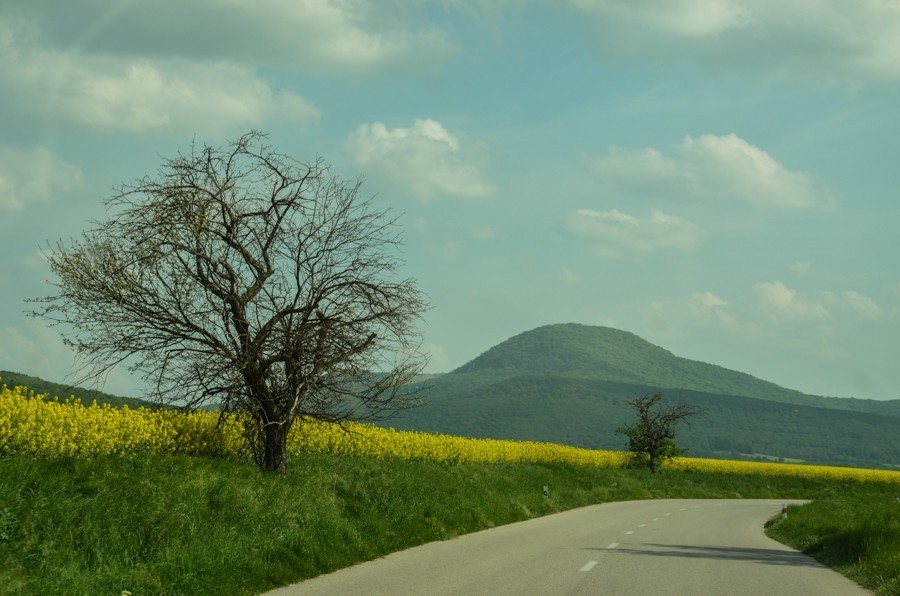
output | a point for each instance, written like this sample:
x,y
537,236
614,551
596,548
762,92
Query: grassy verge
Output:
x,y
858,535
156,524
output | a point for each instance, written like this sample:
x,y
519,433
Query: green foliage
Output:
x,y
856,534
651,438
183,525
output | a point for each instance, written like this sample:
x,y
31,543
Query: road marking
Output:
x,y
642,525
655,519
612,545
682,510
629,532
668,514
588,566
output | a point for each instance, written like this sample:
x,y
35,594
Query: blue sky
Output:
x,y
719,177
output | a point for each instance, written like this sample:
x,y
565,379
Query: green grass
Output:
x,y
856,534
156,524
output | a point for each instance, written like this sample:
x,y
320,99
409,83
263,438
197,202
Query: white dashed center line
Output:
x,y
629,532
612,545
642,525
588,566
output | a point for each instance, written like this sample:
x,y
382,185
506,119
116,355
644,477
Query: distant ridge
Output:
x,y
620,356
38,385
567,383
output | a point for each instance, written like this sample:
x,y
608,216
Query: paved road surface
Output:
x,y
660,547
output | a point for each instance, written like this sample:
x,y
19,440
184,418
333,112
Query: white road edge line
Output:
x,y
612,545
588,566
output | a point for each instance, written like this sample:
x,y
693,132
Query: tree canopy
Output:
x,y
651,437
243,277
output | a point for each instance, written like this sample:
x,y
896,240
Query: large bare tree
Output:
x,y
242,277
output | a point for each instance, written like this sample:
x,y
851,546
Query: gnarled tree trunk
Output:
x,y
275,437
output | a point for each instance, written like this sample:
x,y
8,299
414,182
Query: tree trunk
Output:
x,y
275,456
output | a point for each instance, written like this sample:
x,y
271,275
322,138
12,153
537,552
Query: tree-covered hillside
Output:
x,y
38,385
568,383
619,356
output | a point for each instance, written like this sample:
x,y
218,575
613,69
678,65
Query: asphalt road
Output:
x,y
660,547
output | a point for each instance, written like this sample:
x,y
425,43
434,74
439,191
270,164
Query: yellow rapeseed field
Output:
x,y
31,424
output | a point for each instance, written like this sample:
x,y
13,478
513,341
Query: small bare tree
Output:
x,y
651,438
242,277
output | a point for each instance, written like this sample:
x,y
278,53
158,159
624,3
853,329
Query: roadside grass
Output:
x,y
177,524
855,534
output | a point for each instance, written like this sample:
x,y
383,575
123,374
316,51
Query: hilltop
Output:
x,y
619,356
567,383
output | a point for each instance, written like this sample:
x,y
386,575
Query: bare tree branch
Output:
x,y
243,277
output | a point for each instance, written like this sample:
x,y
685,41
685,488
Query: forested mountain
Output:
x,y
567,384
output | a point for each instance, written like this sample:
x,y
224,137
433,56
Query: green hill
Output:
x,y
38,385
567,384
620,356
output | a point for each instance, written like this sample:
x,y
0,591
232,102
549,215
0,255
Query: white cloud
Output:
x,y
708,299
425,158
714,167
486,233
781,304
346,36
826,40
683,18
437,358
569,277
112,94
35,349
612,233
800,268
34,176
862,306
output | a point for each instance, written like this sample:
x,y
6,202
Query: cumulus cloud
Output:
x,y
861,305
714,167
708,310
112,94
781,304
685,18
426,159
349,36
34,176
708,300
826,40
569,277
613,233
437,357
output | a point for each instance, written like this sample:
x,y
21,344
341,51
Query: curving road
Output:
x,y
671,547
